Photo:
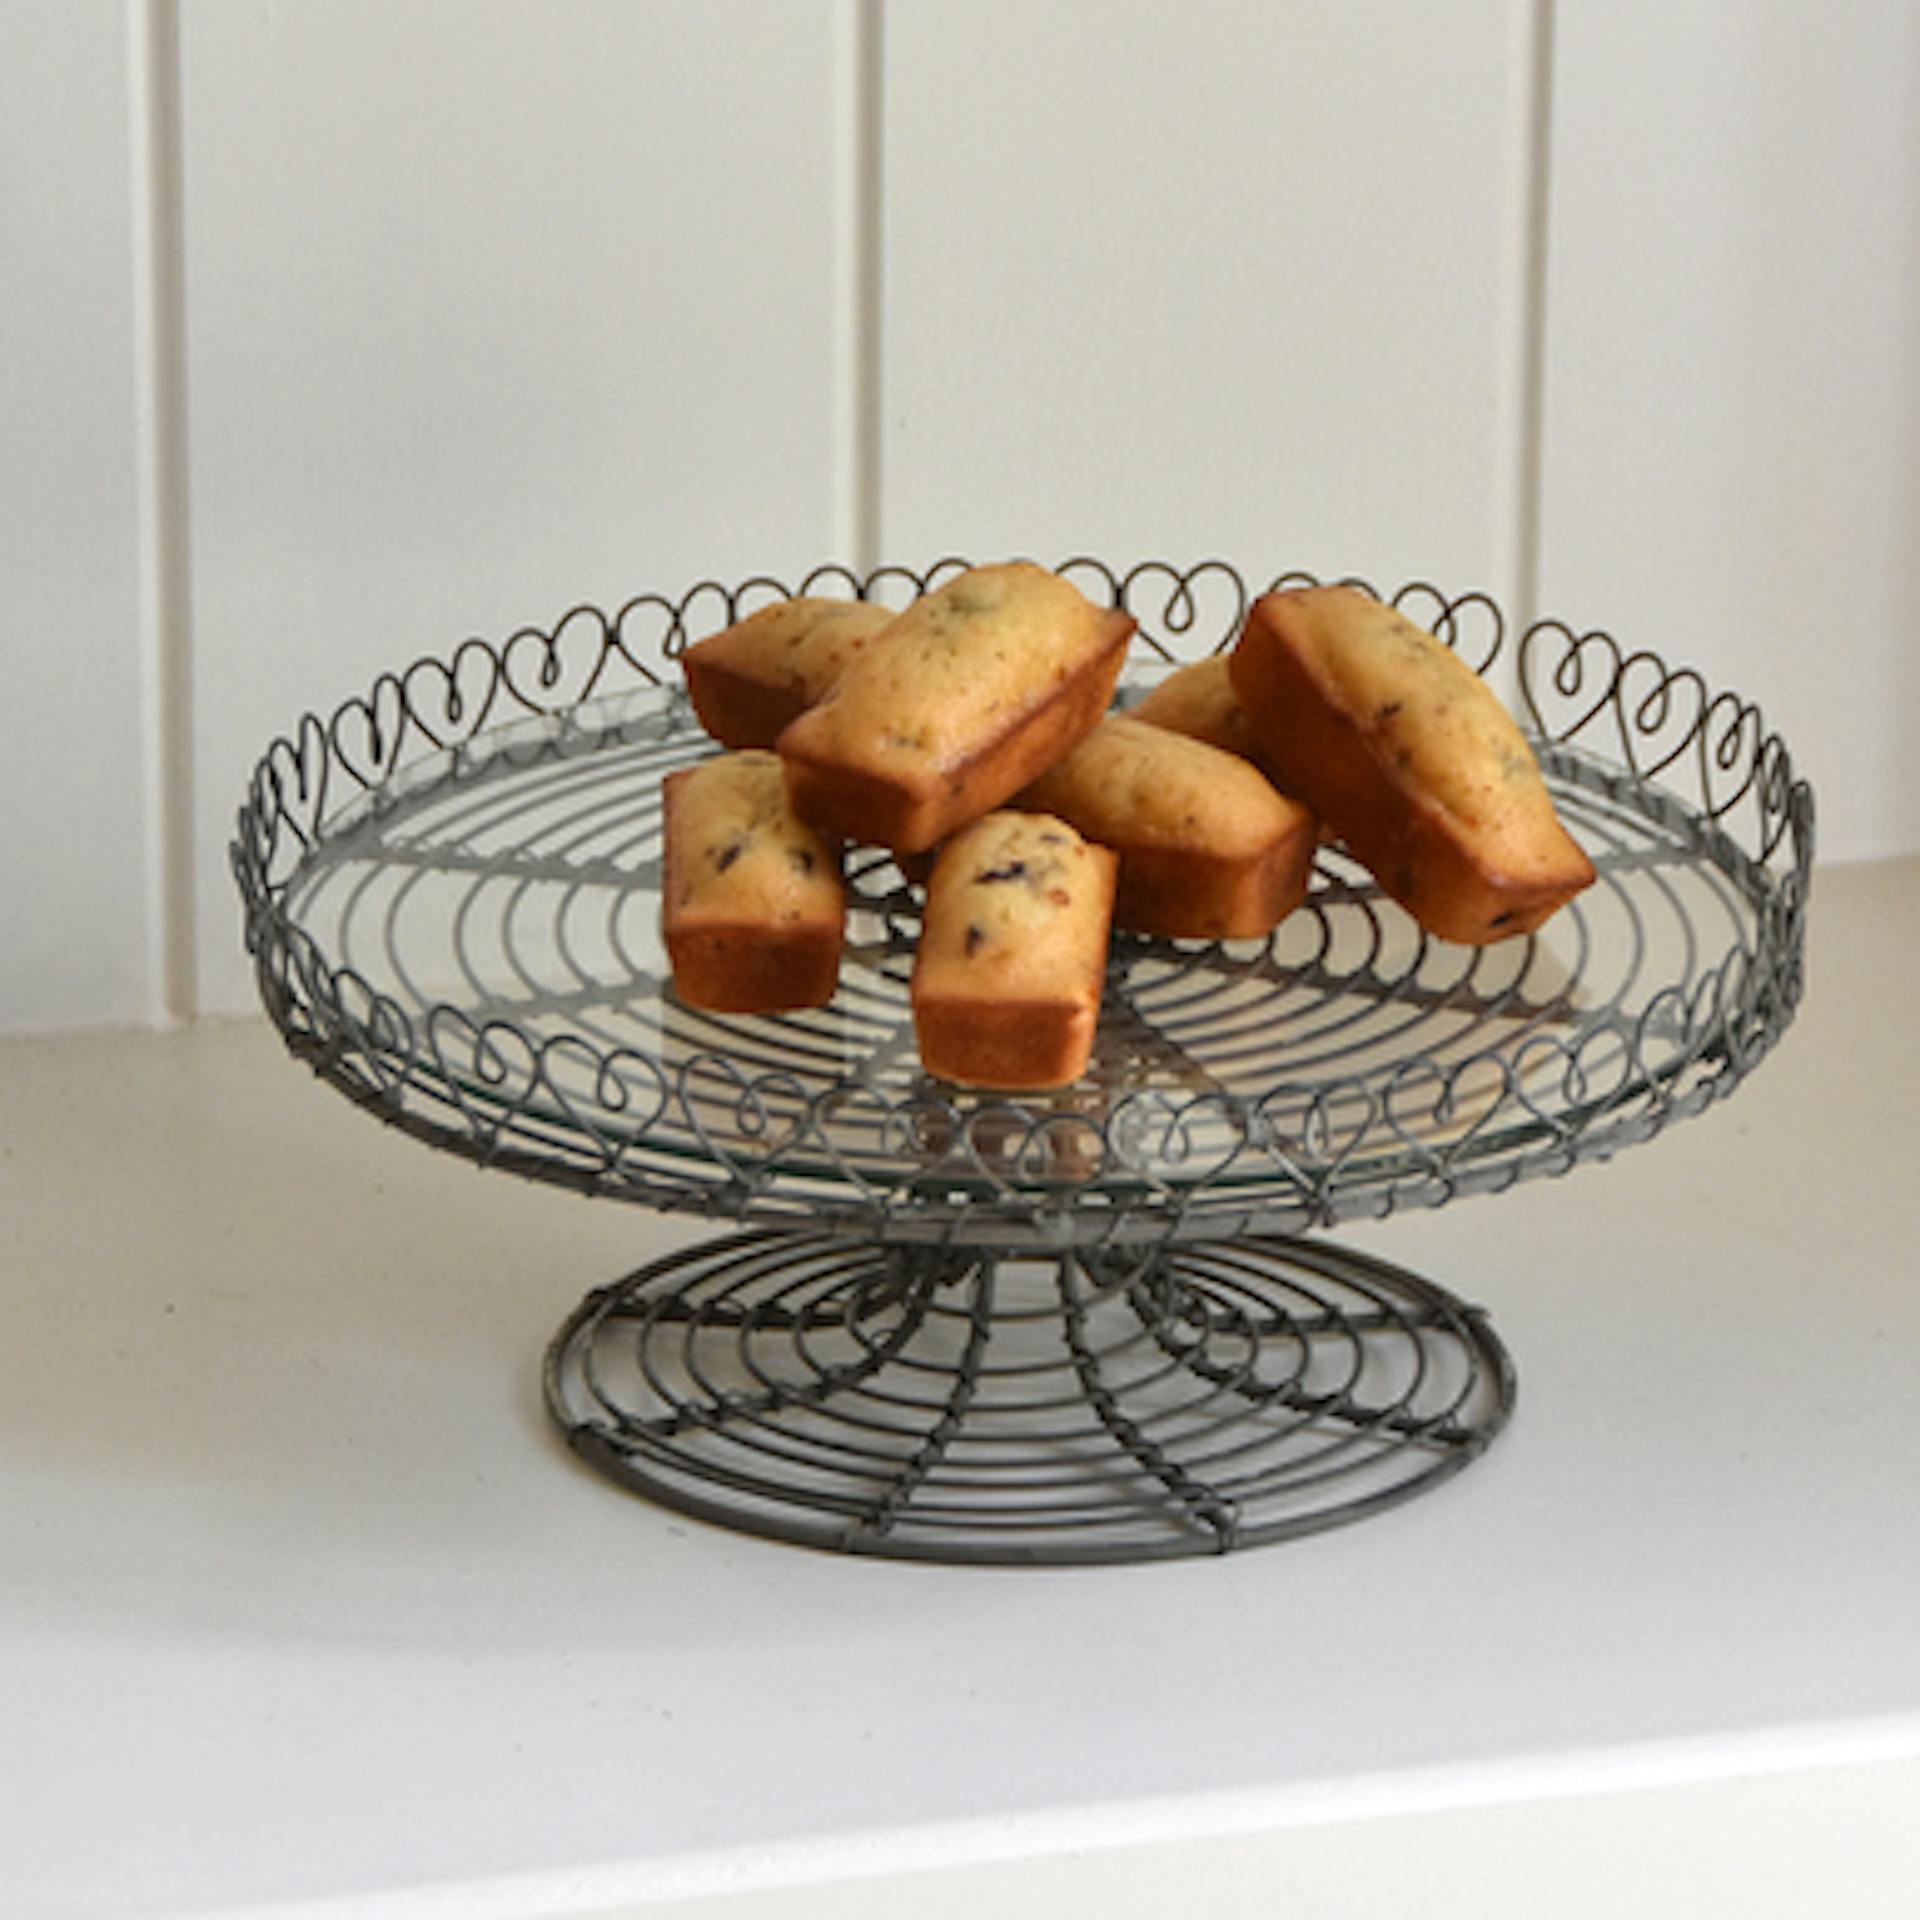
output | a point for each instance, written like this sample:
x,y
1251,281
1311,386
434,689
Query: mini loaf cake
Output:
x,y
1410,759
971,692
1199,701
1208,848
748,680
752,905
1013,947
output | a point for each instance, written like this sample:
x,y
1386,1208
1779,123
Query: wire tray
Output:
x,y
451,891
1079,1326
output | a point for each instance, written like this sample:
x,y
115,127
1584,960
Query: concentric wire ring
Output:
x,y
963,1405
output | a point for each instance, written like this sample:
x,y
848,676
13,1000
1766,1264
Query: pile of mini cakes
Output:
x,y
972,734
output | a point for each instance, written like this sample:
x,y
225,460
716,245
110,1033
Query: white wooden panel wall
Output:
x,y
495,307
1181,280
1732,444
73,905
490,306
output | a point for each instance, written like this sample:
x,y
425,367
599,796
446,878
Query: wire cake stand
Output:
x,y
1103,1324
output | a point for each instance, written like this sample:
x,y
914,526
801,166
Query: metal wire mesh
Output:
x,y
1096,1406
452,902
1068,1328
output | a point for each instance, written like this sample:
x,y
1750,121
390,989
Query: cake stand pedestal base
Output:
x,y
1098,1404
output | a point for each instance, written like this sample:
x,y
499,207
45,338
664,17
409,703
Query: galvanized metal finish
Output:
x,y
451,890
1095,1406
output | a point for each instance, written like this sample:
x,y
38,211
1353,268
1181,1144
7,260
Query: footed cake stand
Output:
x,y
1103,1324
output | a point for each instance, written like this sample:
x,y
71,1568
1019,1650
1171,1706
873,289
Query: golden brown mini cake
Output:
x,y
1199,701
1209,848
750,679
971,692
1012,954
1410,758
752,904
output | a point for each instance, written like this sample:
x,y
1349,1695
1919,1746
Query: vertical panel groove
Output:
x,y
1536,159
160,430
861,277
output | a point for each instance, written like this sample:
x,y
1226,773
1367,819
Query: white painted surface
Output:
x,y
72,775
301,1602
1234,280
494,308
1732,473
1744,1846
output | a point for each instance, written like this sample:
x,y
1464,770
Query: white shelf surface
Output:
x,y
303,1608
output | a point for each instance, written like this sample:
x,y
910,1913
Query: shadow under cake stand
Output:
x,y
1101,1325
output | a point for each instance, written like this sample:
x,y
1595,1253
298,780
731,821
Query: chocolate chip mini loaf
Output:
x,y
752,904
977,687
1012,955
750,679
1410,759
1208,847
